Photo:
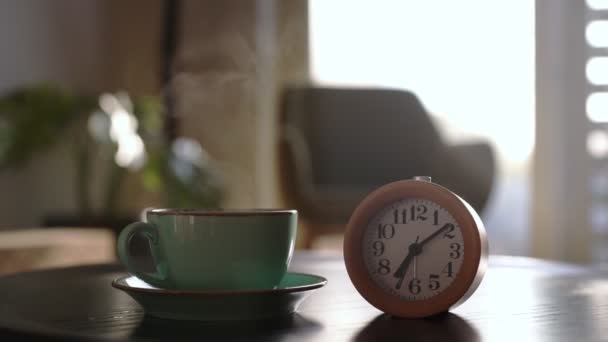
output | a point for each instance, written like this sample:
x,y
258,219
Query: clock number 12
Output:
x,y
416,213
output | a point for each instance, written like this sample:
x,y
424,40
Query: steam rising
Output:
x,y
216,83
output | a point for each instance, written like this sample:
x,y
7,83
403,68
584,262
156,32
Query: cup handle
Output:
x,y
158,278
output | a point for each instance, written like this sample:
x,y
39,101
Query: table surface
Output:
x,y
520,299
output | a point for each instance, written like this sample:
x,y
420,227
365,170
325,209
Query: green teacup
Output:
x,y
214,250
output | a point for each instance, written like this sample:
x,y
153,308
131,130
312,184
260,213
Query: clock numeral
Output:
x,y
455,253
421,210
418,212
436,218
434,282
447,234
386,231
400,216
378,247
448,270
384,266
414,286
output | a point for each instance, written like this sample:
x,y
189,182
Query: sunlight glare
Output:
x,y
474,72
597,107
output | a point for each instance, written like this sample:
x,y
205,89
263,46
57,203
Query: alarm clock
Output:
x,y
414,249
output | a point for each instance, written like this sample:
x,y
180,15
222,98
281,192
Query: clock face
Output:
x,y
413,248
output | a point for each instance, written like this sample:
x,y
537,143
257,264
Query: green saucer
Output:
x,y
222,305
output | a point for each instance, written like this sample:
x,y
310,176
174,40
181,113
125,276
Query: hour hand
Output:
x,y
402,270
414,250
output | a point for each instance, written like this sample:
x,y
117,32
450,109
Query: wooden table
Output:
x,y
520,299
41,248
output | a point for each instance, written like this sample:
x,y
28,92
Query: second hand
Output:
x,y
416,262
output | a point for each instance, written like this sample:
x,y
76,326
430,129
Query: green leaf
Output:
x,y
35,118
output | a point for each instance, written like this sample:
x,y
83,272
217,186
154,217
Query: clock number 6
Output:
x,y
414,286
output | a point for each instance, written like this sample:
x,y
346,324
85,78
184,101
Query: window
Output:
x,y
596,34
471,62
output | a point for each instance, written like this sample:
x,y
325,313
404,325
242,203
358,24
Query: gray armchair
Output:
x,y
339,144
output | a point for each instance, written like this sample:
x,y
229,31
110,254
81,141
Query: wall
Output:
x,y
233,59
562,168
88,45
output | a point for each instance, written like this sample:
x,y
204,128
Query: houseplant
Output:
x,y
120,134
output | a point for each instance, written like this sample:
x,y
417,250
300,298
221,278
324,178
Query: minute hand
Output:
x,y
434,235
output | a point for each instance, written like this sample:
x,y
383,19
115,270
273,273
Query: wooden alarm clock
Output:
x,y
414,249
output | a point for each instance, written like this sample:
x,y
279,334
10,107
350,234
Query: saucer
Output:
x,y
222,305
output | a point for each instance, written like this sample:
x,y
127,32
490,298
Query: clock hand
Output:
x,y
416,262
434,235
400,273
414,250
